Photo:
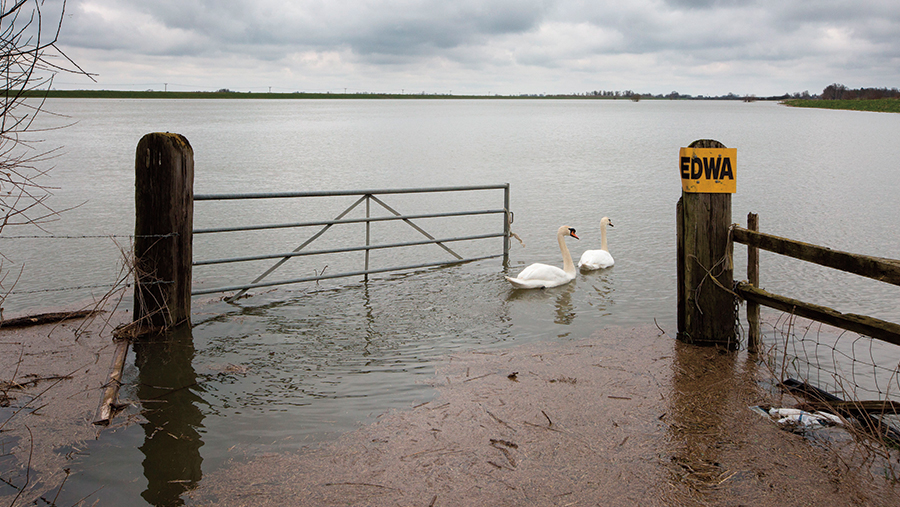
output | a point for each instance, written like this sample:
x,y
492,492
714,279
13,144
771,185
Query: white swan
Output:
x,y
538,276
598,259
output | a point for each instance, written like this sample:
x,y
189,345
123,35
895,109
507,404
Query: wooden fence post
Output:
x,y
164,211
706,309
753,279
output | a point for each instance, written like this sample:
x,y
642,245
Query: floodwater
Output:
x,y
298,365
578,422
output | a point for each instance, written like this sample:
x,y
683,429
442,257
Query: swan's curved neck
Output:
x,y
568,265
603,237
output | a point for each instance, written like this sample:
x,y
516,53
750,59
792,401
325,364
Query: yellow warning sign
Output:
x,y
708,170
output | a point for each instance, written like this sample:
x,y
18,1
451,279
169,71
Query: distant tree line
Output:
x,y
674,95
840,92
615,94
831,92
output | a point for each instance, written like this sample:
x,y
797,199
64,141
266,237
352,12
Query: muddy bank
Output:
x,y
626,417
51,377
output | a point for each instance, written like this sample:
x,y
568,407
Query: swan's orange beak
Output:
x,y
572,233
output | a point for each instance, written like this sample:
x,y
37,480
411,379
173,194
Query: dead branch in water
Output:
x,y
48,318
13,384
108,406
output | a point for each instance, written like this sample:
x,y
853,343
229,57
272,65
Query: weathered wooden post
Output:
x,y
753,279
164,210
706,309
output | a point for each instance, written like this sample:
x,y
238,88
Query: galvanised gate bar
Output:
x,y
367,197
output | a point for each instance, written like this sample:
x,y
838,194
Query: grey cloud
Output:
x,y
708,4
386,27
379,29
489,39
445,29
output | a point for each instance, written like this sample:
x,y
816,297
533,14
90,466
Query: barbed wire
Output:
x,y
83,287
98,236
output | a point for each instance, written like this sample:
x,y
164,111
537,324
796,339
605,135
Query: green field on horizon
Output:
x,y
874,105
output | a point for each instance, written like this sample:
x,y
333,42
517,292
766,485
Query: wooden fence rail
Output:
x,y
877,268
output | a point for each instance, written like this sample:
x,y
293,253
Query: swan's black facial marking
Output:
x,y
572,233
610,223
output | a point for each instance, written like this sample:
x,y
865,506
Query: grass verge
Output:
x,y
874,105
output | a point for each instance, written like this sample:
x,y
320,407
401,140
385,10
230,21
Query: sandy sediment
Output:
x,y
627,417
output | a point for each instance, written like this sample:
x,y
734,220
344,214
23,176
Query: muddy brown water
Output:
x,y
627,416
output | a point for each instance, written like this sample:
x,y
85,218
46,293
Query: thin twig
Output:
x,y
549,422
478,377
360,484
27,467
657,327
59,490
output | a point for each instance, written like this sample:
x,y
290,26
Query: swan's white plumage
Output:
x,y
598,259
537,275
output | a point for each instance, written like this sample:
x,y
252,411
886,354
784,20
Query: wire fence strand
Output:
x,y
83,287
94,236
849,366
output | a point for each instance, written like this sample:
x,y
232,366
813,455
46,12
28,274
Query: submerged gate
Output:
x,y
164,232
366,197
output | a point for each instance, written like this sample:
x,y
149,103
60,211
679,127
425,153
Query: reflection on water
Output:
x,y
565,310
284,369
561,297
707,416
168,389
600,288
698,403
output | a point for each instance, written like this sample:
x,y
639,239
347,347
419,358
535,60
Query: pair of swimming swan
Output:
x,y
537,275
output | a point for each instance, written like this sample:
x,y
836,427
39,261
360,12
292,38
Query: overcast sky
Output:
x,y
697,47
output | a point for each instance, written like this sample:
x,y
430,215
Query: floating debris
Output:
x,y
798,417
